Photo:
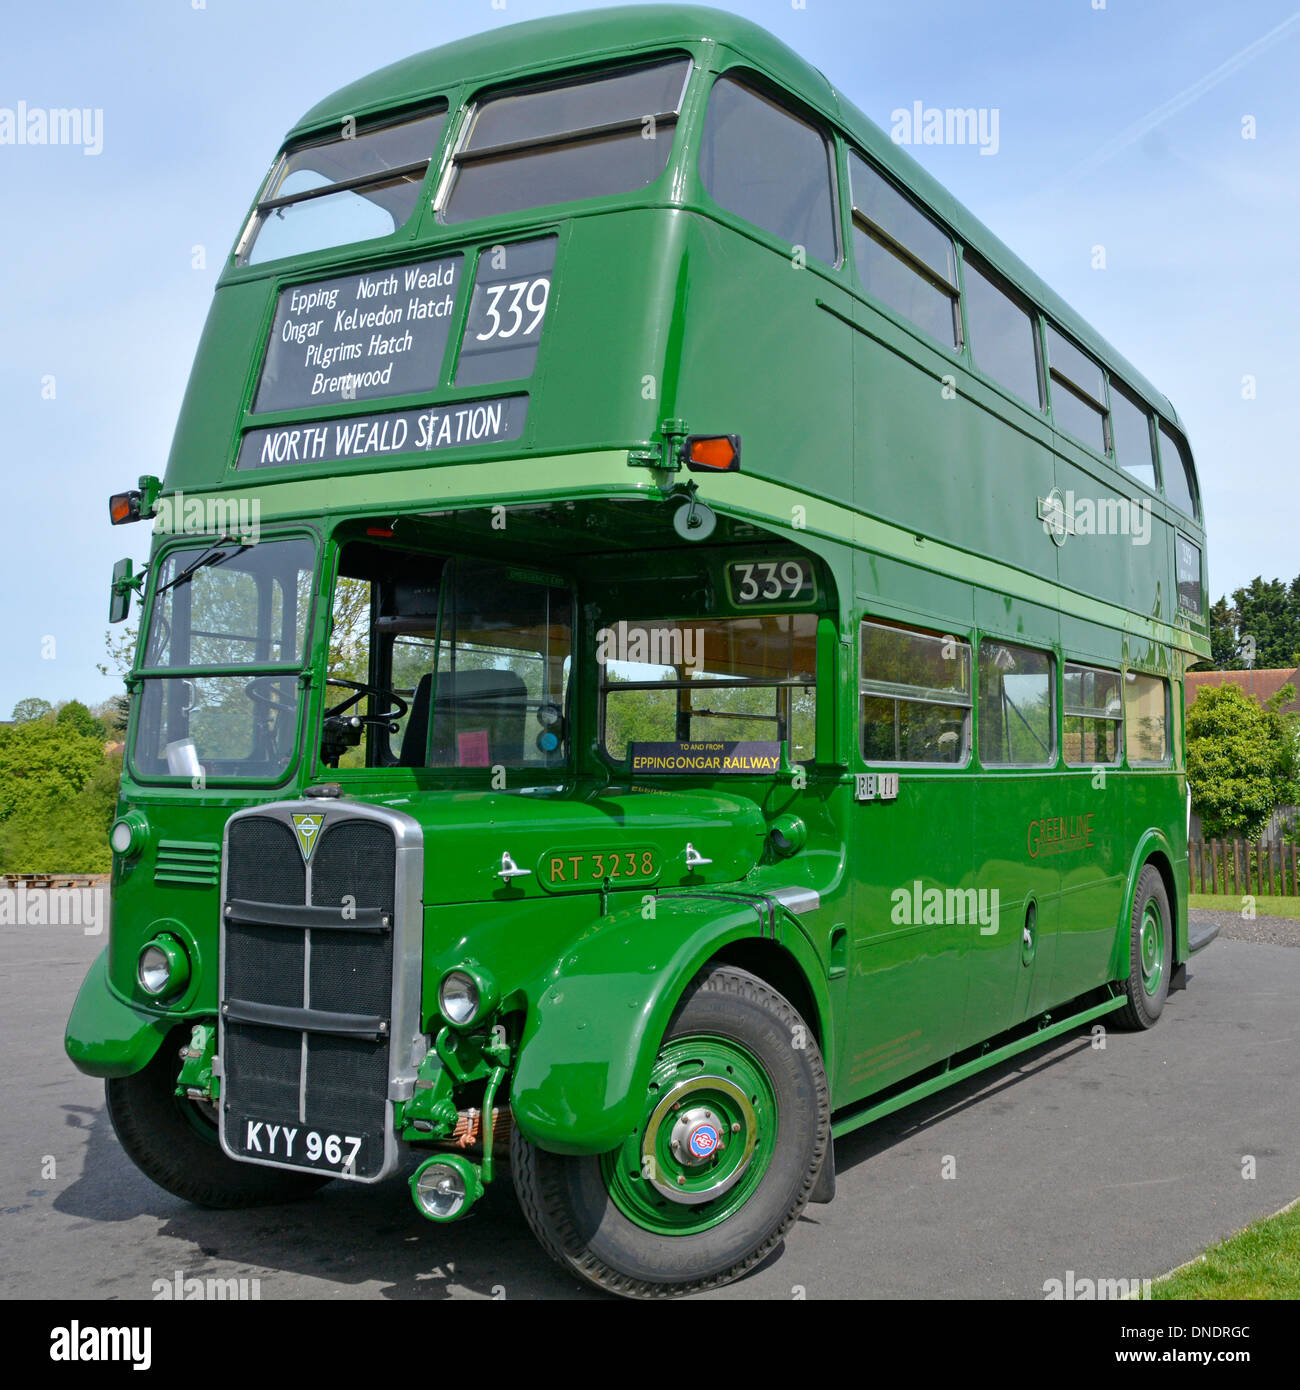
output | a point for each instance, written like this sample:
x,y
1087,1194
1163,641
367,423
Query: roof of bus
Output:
x,y
587,35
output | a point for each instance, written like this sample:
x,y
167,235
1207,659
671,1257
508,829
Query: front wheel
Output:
x,y
174,1142
1150,952
734,1130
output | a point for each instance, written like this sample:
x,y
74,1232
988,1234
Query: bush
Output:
x,y
64,835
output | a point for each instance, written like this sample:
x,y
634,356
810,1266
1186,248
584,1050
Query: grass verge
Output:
x,y
1263,1261
1230,902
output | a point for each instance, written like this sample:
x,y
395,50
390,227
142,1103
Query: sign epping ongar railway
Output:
x,y
424,429
359,337
712,759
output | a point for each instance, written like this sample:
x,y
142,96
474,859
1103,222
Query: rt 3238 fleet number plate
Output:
x,y
562,870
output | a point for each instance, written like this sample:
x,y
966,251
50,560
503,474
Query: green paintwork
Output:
x,y
910,507
196,1066
106,1036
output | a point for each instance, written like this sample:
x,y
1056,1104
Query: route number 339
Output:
x,y
510,304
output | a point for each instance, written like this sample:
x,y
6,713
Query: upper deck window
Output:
x,y
1002,335
1078,391
766,165
903,257
1130,426
333,192
1176,472
588,137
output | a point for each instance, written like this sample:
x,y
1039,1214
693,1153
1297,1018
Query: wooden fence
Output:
x,y
1237,867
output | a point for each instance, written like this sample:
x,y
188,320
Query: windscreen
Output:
x,y
225,643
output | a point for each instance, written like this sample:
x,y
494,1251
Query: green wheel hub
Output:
x,y
705,1142
1151,945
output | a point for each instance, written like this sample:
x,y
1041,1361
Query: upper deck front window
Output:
x,y
332,192
584,138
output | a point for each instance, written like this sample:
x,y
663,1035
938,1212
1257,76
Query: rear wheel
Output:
x,y
174,1142
734,1130
1150,952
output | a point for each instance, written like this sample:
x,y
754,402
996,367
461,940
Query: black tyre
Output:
x,y
1150,952
174,1142
733,1135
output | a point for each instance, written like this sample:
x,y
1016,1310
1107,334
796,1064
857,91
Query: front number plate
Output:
x,y
299,1145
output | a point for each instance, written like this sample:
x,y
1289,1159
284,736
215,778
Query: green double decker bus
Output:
x,y
663,643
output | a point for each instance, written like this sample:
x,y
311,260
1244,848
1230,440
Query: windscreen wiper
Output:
x,y
215,556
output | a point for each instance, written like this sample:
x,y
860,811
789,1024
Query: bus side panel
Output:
x,y
761,359
951,469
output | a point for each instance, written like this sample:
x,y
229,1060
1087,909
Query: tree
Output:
x,y
1266,613
75,715
112,714
1241,759
28,710
1224,654
119,647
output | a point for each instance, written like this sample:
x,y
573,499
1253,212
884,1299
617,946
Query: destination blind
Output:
x,y
359,337
424,429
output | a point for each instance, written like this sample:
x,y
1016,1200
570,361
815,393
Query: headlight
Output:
x,y
162,967
466,995
129,834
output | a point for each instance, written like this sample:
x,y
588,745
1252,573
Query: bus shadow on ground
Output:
x,y
981,1090
344,1235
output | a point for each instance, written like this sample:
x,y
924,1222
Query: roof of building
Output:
x,y
1263,685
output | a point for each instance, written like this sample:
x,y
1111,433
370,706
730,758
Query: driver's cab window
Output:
x,y
446,663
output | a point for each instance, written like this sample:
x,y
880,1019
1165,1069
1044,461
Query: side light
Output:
x,y
162,967
788,835
129,834
712,453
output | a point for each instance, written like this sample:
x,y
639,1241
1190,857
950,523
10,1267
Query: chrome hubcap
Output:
x,y
699,1137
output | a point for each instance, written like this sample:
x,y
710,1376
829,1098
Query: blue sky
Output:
x,y
1118,127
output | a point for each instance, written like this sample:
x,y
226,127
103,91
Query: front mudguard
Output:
x,y
596,1018
107,1036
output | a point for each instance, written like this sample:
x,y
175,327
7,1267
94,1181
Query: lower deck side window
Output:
x,y
914,696
1146,713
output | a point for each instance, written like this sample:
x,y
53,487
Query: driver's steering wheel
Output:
x,y
394,706
259,696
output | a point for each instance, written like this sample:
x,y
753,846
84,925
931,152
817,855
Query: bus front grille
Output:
x,y
308,997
